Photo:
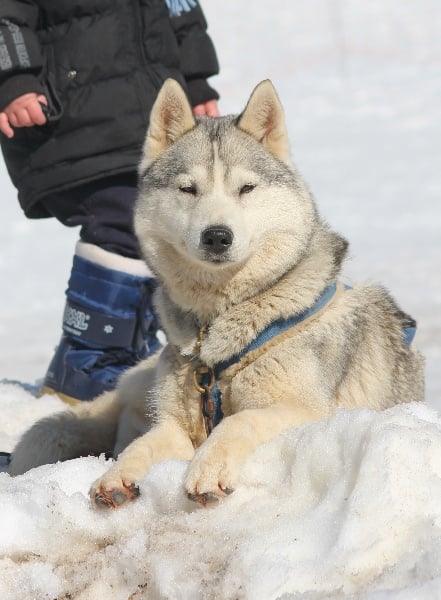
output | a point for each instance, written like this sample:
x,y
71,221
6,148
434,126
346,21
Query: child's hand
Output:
x,y
210,109
24,111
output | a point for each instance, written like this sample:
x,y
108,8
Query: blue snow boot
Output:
x,y
108,326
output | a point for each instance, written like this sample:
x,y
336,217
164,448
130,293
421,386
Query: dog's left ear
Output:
x,y
264,119
170,118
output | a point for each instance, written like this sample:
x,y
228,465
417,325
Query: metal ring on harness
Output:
x,y
201,382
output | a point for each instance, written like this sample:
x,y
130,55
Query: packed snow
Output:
x,y
348,507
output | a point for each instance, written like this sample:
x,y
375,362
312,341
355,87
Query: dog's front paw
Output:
x,y
113,490
212,474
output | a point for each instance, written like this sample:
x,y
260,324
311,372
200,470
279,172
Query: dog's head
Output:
x,y
217,193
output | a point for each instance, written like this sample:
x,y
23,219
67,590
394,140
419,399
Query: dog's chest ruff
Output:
x,y
206,378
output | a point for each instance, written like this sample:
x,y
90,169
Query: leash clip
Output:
x,y
204,381
203,378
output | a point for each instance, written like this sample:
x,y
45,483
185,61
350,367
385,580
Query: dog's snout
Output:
x,y
217,239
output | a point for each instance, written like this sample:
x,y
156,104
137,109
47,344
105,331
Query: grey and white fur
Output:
x,y
234,237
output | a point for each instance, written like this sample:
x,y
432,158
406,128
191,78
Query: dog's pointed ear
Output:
x,y
264,119
170,118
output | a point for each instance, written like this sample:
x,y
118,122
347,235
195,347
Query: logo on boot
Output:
x,y
75,320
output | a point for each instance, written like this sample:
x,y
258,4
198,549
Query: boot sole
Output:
x,y
64,397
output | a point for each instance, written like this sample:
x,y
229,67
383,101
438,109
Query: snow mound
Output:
x,y
341,507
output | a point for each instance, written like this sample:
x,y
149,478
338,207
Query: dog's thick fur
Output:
x,y
267,255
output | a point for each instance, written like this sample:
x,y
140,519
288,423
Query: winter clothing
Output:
x,y
108,324
100,64
105,214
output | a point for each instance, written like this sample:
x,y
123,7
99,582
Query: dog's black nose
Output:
x,y
217,239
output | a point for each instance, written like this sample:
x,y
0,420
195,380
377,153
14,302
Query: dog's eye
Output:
x,y
246,189
188,189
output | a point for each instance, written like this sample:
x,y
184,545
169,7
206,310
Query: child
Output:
x,y
78,79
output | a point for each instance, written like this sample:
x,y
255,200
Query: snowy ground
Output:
x,y
348,508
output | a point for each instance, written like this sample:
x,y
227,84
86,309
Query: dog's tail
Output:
x,y
86,429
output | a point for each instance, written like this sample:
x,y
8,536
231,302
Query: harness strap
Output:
x,y
276,327
409,334
270,332
212,404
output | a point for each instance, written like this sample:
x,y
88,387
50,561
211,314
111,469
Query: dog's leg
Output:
x,y
215,468
167,440
87,428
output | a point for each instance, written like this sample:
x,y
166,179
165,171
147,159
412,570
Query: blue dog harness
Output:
x,y
206,378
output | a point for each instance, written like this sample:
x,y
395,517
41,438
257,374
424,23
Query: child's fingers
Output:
x,y
209,108
36,113
13,120
4,126
27,111
23,118
199,110
212,109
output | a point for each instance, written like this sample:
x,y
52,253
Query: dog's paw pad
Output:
x,y
100,501
129,493
205,498
114,498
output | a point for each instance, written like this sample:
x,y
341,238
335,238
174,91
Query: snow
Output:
x,y
330,509
344,508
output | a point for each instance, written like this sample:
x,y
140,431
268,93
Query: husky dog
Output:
x,y
261,334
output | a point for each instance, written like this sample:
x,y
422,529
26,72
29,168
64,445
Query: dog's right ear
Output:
x,y
264,119
170,118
